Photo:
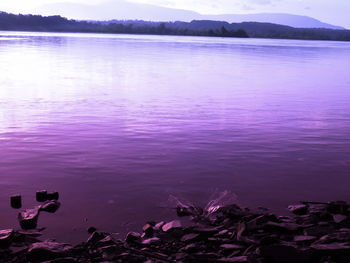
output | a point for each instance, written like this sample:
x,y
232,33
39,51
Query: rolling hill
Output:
x,y
124,10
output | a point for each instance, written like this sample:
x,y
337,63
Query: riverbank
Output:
x,y
315,232
37,23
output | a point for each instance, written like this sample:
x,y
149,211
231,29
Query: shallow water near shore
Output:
x,y
118,123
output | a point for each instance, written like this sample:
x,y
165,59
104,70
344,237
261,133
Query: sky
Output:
x,y
330,11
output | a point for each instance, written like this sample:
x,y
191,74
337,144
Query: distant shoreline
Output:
x,y
205,28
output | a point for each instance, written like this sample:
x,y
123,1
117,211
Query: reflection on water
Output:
x,y
119,123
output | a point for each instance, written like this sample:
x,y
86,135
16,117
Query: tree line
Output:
x,y
193,28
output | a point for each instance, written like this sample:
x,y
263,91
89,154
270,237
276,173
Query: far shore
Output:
x,y
207,28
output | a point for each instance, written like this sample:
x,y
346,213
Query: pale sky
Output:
x,y
330,11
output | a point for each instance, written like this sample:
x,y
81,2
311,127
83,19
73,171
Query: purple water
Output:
x,y
116,124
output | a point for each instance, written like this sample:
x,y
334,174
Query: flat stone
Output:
x,y
283,226
50,206
64,260
148,230
95,237
307,219
304,239
318,230
205,257
107,241
206,231
338,207
30,233
231,247
339,218
191,248
257,222
298,209
28,218
171,226
318,209
234,259
159,226
133,237
285,254
152,241
47,250
333,248
336,237
190,237
6,237
110,252
182,210
223,233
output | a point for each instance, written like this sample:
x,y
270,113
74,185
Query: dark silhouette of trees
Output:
x,y
194,28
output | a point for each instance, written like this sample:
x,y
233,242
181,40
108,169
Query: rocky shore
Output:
x,y
314,232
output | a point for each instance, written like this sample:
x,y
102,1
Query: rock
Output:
x,y
222,233
339,218
53,196
269,240
307,219
243,259
289,227
41,196
190,238
332,249
159,226
171,226
206,231
318,209
338,207
148,230
191,248
257,222
318,230
182,210
110,252
231,247
28,218
204,257
95,237
339,236
16,201
30,233
232,211
132,237
47,250
152,241
241,228
6,237
298,209
91,230
107,241
285,254
50,206
304,239
64,260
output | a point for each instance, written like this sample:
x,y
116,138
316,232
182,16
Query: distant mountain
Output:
x,y
124,10
281,19
120,10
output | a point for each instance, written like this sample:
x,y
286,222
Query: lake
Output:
x,y
119,123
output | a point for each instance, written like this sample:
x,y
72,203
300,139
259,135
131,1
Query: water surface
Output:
x,y
117,123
